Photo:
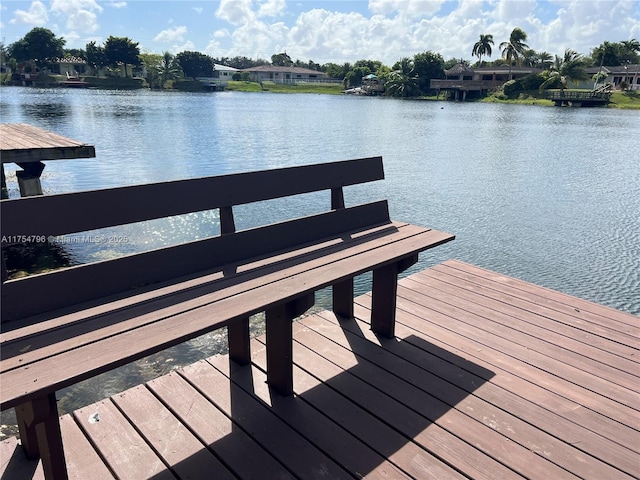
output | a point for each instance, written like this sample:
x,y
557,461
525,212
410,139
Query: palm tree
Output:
x,y
632,45
513,50
570,68
482,47
402,82
169,68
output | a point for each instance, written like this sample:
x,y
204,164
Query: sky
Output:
x,y
326,30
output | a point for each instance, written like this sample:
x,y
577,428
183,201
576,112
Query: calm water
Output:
x,y
548,195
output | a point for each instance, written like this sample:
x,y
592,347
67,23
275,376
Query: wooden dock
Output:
x,y
28,146
488,378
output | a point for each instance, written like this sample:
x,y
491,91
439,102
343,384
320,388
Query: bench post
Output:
x,y
343,298
280,342
384,292
238,338
40,435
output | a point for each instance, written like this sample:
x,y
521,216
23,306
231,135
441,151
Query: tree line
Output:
x,y
409,76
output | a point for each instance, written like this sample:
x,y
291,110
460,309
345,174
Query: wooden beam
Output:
x,y
279,339
238,338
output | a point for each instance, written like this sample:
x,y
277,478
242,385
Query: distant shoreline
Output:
x,y
619,100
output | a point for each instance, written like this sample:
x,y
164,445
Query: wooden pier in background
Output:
x,y
488,377
576,98
28,147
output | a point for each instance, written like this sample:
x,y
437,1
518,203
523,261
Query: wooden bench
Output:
x,y
62,327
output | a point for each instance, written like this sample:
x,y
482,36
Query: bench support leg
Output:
x,y
238,338
41,437
385,290
280,342
343,299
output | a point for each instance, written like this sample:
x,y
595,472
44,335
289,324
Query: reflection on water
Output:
x,y
548,195
46,110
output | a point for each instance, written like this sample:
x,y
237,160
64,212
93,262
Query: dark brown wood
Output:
x,y
227,222
146,268
385,284
279,342
40,434
26,419
124,450
300,456
172,441
49,436
343,298
237,448
76,212
184,321
238,339
342,446
337,198
449,397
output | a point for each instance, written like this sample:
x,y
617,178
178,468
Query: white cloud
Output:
x,y
36,15
116,4
81,15
236,12
197,9
271,8
171,35
411,8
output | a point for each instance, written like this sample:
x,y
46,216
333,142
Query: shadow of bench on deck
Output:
x,y
359,408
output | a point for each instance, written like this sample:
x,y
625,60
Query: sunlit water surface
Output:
x,y
548,195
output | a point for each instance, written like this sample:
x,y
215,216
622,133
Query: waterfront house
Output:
x,y
461,79
621,77
71,67
290,75
220,77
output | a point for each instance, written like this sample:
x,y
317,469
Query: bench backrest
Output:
x,y
64,214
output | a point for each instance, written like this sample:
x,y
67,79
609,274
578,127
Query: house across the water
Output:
x,y
461,79
290,75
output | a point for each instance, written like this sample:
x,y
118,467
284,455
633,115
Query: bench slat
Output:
x,y
87,282
39,324
103,355
78,212
39,341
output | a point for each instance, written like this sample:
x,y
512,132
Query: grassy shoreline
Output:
x,y
619,100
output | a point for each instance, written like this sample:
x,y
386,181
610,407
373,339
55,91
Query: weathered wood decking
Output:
x,y
488,377
22,143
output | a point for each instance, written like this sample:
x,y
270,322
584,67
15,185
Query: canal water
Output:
x,y
548,195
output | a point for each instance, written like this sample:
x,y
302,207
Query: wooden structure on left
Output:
x,y
28,147
64,326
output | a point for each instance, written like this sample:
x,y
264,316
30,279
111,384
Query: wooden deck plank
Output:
x,y
77,446
433,410
552,374
380,436
424,432
169,438
26,143
537,333
471,387
14,465
405,363
593,312
550,391
621,343
125,451
237,448
302,457
512,400
345,449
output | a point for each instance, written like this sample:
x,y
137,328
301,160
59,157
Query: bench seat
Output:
x,y
66,326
